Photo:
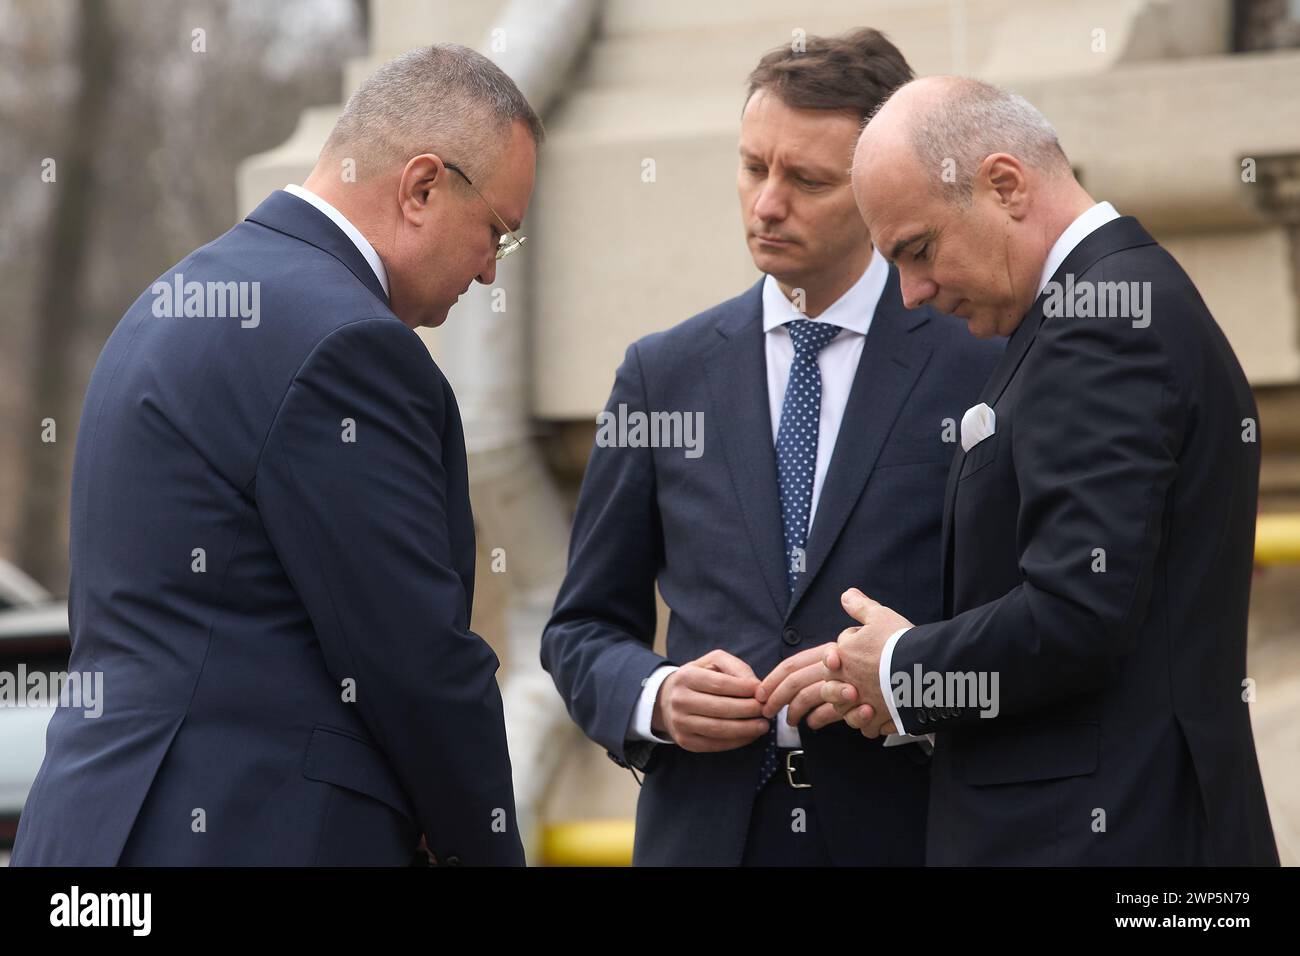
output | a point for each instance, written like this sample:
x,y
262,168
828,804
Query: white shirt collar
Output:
x,y
853,310
1088,222
349,230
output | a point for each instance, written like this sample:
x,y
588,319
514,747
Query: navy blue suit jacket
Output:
x,y
306,690
708,531
1098,553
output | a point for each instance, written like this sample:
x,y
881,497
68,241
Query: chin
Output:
x,y
982,327
772,263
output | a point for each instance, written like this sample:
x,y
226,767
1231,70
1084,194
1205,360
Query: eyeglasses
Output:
x,y
509,242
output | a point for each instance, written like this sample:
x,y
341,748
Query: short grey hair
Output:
x,y
971,120
444,98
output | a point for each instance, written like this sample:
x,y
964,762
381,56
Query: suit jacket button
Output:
x,y
453,861
922,717
790,636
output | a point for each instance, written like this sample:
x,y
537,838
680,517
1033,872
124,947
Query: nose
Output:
x,y
488,275
916,291
771,204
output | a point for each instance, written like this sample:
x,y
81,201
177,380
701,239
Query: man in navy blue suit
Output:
x,y
1100,519
272,544
828,414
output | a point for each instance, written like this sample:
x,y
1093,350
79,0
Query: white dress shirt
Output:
x,y
352,232
1088,222
838,364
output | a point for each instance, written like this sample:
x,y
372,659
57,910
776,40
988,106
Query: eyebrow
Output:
x,y
814,172
902,244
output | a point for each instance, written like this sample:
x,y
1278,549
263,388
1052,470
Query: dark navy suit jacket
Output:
x,y
1098,553
708,531
306,690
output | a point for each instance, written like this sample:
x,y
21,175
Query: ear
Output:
x,y
421,178
1002,177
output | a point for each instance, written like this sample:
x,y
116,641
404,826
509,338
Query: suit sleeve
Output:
x,y
598,644
1095,439
360,526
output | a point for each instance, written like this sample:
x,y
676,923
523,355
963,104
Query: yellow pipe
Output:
x,y
588,843
1277,539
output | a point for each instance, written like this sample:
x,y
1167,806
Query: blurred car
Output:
x,y
34,632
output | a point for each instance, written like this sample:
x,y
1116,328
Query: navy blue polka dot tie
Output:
x,y
796,464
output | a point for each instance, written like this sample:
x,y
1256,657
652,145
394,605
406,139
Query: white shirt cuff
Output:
x,y
786,736
886,659
645,706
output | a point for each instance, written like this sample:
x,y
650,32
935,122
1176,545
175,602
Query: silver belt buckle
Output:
x,y
790,770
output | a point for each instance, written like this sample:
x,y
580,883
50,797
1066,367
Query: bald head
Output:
x,y
951,124
965,187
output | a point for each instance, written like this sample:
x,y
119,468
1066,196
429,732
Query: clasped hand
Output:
x,y
717,703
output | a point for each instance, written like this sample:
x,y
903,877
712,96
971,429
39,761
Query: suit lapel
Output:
x,y
1116,235
1017,346
887,372
736,369
945,538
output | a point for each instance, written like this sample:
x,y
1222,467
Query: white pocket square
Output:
x,y
977,424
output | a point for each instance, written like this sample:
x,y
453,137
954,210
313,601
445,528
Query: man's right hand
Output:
x,y
708,705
